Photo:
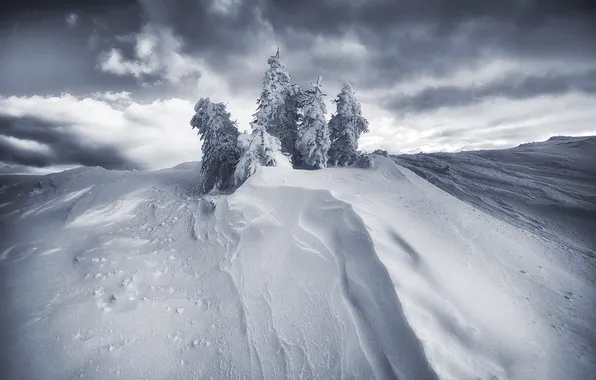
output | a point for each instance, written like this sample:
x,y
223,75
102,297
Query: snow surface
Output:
x,y
336,273
547,187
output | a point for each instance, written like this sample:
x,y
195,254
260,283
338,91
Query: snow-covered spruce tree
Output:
x,y
219,135
345,128
290,117
257,149
313,133
277,109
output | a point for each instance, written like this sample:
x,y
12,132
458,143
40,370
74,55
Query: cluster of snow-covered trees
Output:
x,y
289,122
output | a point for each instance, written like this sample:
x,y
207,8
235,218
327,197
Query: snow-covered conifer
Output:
x,y
289,118
313,133
277,109
219,135
256,149
345,128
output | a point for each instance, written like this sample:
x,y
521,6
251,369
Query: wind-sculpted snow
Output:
x,y
547,187
329,274
314,291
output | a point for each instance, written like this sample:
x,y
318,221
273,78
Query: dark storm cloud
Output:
x,y
37,9
511,87
43,63
59,146
215,35
333,16
403,39
40,52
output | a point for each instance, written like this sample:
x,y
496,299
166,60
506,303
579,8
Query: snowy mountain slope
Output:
x,y
336,273
548,187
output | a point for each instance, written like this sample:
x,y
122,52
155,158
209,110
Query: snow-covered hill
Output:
x,y
329,274
547,187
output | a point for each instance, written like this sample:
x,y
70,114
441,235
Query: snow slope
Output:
x,y
336,273
548,187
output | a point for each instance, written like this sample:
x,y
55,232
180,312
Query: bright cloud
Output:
x,y
158,53
155,135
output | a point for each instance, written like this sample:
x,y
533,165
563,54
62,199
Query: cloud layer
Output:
x,y
36,142
431,75
108,130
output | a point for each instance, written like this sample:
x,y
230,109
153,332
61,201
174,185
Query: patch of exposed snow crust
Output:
x,y
331,274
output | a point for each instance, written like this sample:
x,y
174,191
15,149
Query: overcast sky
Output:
x,y
113,83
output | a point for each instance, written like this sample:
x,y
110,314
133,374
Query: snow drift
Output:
x,y
330,274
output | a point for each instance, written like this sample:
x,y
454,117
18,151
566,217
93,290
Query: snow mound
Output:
x,y
329,274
